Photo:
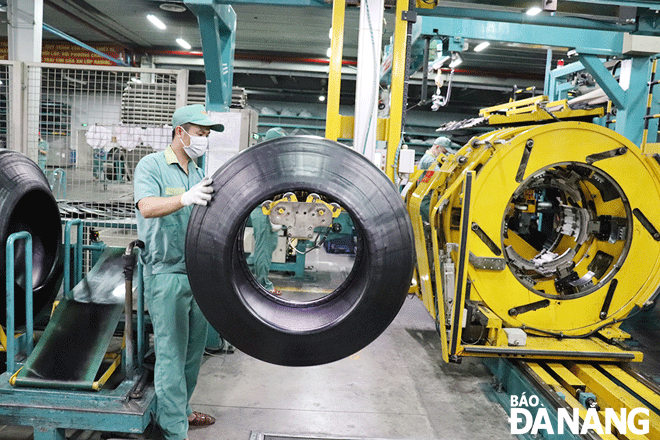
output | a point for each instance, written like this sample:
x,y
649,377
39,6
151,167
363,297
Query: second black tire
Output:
x,y
27,204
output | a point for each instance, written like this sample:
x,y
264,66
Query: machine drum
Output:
x,y
573,209
315,330
27,204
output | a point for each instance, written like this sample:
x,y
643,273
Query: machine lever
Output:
x,y
647,224
608,299
486,239
523,162
529,307
606,155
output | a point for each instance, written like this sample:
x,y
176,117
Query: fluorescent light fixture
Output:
x,y
156,21
439,62
183,43
535,10
455,60
329,52
321,98
330,34
481,46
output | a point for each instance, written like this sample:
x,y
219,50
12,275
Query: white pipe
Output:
x,y
368,76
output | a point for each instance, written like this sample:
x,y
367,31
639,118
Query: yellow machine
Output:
x,y
541,241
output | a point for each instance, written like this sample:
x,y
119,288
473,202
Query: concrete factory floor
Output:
x,y
396,388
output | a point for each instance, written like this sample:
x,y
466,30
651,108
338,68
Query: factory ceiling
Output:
x,y
281,50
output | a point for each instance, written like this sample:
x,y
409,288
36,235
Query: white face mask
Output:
x,y
197,147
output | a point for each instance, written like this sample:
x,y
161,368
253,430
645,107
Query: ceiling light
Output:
x,y
330,33
328,52
156,21
172,7
535,10
455,60
481,46
183,43
321,98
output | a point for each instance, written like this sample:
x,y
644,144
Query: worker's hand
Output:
x,y
274,227
199,194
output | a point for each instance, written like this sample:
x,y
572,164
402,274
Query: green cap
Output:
x,y
194,114
442,141
274,133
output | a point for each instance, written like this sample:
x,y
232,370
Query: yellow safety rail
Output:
x,y
654,147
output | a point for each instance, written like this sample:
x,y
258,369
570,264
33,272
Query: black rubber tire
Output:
x,y
27,204
271,328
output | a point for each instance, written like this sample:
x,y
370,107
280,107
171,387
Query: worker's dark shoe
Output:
x,y
200,419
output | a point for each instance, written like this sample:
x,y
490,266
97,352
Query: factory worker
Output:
x,y
430,162
42,153
441,145
167,185
265,236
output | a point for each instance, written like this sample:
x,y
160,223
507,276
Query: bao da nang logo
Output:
x,y
528,416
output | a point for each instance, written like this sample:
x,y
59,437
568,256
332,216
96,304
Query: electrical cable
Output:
x,y
443,101
317,243
375,87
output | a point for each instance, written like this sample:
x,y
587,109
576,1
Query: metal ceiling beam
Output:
x,y
585,41
517,17
654,5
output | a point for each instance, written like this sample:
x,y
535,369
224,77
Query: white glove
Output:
x,y
199,194
274,227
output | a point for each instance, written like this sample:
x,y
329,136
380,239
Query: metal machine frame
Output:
x,y
52,411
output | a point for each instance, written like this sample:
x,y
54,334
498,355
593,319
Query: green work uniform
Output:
x,y
428,161
265,242
180,328
42,154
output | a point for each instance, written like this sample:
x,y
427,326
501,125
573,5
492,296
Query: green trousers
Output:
x,y
265,243
180,331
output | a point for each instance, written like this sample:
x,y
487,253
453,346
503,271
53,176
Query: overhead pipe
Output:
x,y
77,42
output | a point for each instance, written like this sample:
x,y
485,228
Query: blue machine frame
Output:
x,y
589,43
52,411
217,25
